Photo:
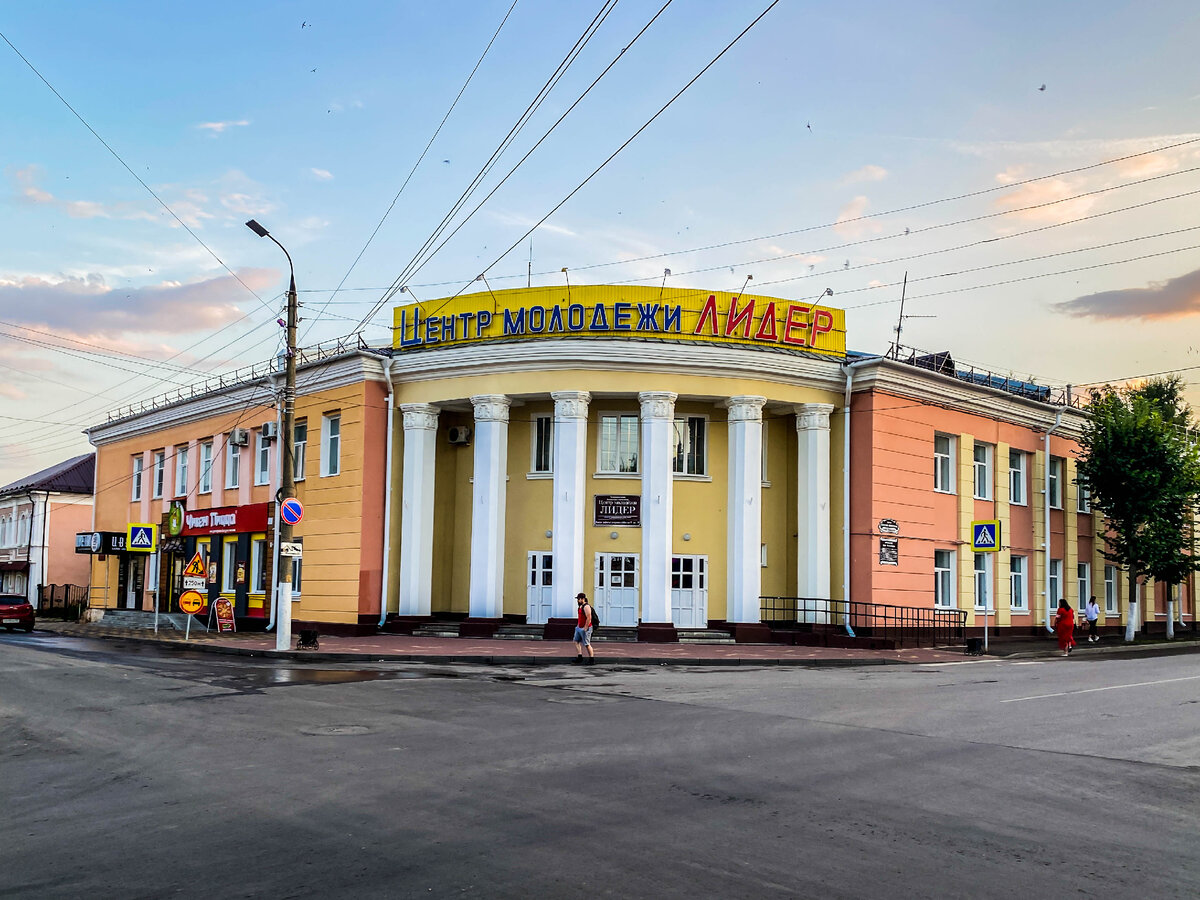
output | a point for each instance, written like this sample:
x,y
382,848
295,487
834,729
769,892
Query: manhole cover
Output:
x,y
334,730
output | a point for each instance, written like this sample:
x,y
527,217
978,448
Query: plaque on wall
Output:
x,y
889,526
617,509
889,552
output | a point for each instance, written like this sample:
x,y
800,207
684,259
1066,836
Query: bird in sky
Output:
x,y
847,265
1042,88
808,125
313,70
305,24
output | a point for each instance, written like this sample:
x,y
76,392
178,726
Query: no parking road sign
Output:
x,y
291,511
985,536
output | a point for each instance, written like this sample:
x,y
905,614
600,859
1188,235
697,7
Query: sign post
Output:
x,y
985,538
190,602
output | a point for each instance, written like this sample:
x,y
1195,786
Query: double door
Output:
x,y
689,591
616,589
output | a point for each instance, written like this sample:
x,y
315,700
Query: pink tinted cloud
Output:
x,y
1172,299
852,222
87,308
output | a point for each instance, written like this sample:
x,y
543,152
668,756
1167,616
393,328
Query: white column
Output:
x,y
658,426
416,518
570,499
812,494
744,542
487,505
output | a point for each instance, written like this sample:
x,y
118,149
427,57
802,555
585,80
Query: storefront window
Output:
x,y
258,568
229,566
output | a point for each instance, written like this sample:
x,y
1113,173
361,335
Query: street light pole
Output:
x,y
287,487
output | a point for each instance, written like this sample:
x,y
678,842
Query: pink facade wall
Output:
x,y
63,564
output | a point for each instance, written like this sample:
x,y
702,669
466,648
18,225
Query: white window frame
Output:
x,y
206,461
331,444
160,474
1111,594
983,582
229,566
181,471
1083,580
682,438
1018,486
943,481
258,559
1054,580
262,459
944,580
299,449
543,427
1083,498
983,470
1055,469
297,571
621,421
1018,580
138,464
233,464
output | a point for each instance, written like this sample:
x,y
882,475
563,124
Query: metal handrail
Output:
x,y
903,624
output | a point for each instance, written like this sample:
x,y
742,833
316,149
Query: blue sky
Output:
x,y
822,112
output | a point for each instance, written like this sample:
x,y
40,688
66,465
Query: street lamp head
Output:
x,y
256,228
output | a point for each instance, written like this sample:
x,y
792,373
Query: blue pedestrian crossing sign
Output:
x,y
141,538
985,536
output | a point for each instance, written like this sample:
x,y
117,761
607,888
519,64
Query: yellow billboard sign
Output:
x,y
676,314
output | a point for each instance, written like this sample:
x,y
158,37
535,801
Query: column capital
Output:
x,y
491,407
745,408
812,416
657,404
570,404
420,416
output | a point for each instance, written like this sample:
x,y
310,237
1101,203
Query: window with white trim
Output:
x,y
1084,497
181,471
983,471
233,463
262,458
1084,579
229,554
618,445
297,571
1055,582
943,578
160,473
1055,479
690,454
1016,477
983,581
1017,569
138,463
1110,590
299,449
331,444
206,462
943,463
542,460
258,565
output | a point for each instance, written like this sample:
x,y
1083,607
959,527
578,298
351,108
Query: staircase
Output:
x,y
614,634
436,629
703,636
139,620
519,633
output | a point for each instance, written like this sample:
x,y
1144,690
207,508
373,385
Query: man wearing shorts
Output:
x,y
583,631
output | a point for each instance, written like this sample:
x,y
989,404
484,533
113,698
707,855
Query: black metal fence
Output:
x,y
62,601
915,626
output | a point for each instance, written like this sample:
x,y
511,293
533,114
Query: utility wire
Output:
x,y
413,170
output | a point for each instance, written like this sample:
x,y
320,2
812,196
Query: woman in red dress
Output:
x,y
1064,627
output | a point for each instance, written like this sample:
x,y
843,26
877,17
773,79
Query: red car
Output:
x,y
15,612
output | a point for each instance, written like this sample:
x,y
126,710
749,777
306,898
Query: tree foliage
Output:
x,y
1141,465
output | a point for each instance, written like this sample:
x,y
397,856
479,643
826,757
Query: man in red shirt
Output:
x,y
583,631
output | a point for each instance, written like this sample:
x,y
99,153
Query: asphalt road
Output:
x,y
148,772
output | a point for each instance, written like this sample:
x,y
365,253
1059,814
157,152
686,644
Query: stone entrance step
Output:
x,y
703,636
519,632
612,634
436,629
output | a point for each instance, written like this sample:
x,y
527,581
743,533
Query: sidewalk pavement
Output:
x,y
403,648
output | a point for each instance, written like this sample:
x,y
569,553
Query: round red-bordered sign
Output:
x,y
291,511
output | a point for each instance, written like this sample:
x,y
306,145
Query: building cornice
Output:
x,y
328,374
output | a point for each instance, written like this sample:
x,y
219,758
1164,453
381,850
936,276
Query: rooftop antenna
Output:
x,y
900,320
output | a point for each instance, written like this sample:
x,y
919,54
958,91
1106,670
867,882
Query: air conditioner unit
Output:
x,y
459,434
270,431
239,437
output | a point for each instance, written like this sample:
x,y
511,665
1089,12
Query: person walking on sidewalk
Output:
x,y
583,631
1064,627
1093,614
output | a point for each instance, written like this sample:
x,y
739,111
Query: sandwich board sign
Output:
x,y
985,536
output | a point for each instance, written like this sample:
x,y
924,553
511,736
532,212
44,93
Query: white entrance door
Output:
x,y
541,587
617,589
689,591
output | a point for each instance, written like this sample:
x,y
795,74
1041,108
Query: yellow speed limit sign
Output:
x,y
191,601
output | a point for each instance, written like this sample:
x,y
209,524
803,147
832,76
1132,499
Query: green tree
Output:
x,y
1141,466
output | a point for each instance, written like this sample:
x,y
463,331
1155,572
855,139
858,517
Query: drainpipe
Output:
x,y
387,490
848,368
1058,414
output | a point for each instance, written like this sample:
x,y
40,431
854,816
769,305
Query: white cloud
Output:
x,y
1048,196
852,221
323,174
219,127
866,173
246,204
